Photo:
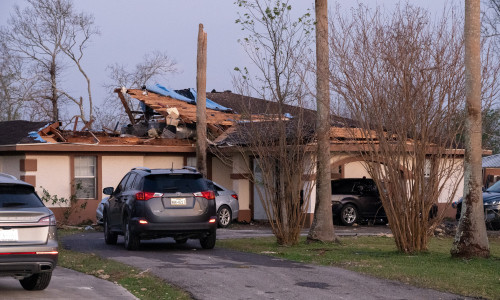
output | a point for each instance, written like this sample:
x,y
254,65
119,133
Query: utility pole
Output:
x,y
201,100
322,226
471,239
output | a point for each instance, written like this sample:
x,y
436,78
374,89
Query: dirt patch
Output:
x,y
251,225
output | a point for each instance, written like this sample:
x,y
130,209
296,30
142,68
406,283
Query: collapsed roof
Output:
x,y
168,117
177,109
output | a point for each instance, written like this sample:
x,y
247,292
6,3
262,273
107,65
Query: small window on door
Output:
x,y
85,177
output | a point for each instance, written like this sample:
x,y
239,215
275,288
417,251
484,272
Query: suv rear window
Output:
x,y
172,183
18,196
342,186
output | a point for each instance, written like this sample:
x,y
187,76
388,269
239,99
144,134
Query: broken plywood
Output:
x,y
186,111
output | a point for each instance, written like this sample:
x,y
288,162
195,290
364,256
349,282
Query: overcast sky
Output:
x,y
130,29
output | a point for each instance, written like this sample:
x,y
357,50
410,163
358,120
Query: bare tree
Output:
x,y
322,226
401,75
277,140
490,19
45,34
155,66
80,31
13,88
471,239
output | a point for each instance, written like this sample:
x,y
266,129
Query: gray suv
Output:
x,y
157,203
28,235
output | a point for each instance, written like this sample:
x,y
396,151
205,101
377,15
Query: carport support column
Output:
x,y
241,185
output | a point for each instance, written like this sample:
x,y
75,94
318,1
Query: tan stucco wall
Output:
x,y
53,175
165,162
115,167
355,170
10,165
221,173
456,180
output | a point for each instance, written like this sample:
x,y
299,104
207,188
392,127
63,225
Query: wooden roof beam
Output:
x,y
125,105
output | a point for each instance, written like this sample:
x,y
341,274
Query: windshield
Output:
x,y
494,188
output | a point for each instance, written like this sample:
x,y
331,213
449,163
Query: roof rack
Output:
x,y
192,169
142,169
8,176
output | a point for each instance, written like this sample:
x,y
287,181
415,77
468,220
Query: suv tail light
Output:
x,y
234,196
50,220
209,195
145,196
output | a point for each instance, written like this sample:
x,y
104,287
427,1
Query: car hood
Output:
x,y
490,198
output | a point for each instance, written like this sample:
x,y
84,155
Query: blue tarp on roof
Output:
x,y
36,136
211,104
159,89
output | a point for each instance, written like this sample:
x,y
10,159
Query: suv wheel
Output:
x,y
208,242
36,282
109,237
224,216
132,240
348,215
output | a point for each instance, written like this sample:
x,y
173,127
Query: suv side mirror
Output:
x,y
108,191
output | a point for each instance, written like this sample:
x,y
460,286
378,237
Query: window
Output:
x,y
121,186
427,168
166,183
131,181
85,177
191,161
18,196
342,187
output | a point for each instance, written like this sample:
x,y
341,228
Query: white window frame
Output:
x,y
427,168
94,176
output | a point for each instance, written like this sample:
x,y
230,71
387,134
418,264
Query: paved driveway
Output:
x,y
226,274
66,284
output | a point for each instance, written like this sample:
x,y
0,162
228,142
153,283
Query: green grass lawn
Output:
x,y
378,257
143,285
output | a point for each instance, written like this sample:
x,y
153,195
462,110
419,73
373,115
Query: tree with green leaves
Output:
x,y
276,43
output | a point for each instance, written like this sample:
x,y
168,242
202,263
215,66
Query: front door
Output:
x,y
258,209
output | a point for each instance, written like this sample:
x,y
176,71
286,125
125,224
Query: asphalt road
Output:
x,y
226,274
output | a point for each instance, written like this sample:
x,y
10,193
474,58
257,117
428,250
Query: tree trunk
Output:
x,y
322,226
471,239
53,89
201,95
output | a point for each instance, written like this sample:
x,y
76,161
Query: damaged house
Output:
x,y
160,135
